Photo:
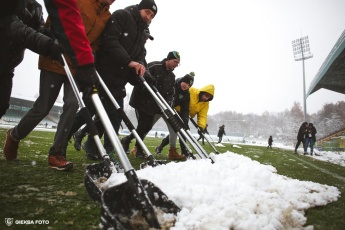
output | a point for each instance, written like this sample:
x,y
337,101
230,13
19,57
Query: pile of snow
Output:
x,y
234,193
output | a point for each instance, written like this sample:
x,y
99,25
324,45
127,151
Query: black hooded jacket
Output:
x,y
122,41
142,100
182,99
301,132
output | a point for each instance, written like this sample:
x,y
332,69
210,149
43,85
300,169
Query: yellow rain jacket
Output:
x,y
197,107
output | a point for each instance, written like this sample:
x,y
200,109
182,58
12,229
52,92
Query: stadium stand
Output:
x,y
20,105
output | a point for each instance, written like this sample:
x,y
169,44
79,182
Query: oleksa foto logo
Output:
x,y
8,221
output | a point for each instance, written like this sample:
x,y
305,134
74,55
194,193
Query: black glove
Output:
x,y
55,51
87,77
201,130
150,79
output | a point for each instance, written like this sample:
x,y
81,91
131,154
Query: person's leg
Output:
x,y
5,91
145,122
297,145
184,151
126,141
66,121
165,142
311,147
50,85
306,143
35,115
115,119
78,137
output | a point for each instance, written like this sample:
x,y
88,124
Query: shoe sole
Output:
x,y
66,168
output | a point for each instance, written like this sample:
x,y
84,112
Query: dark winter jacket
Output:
x,y
270,140
122,41
301,132
141,98
182,99
19,31
310,133
221,131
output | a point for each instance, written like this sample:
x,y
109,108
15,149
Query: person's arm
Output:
x,y
18,32
202,117
68,28
115,51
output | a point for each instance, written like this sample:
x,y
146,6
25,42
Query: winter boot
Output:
x,y
91,149
11,146
59,163
134,150
125,141
158,150
184,151
139,153
173,155
78,138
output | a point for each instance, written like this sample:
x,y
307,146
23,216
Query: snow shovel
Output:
x,y
137,197
201,133
151,160
172,118
185,128
96,173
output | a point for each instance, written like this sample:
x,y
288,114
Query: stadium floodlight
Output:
x,y
301,51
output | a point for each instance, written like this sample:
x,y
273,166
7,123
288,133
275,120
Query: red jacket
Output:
x,y
94,15
68,27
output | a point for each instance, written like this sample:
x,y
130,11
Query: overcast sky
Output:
x,y
243,47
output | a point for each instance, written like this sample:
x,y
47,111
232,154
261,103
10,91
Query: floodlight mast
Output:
x,y
301,51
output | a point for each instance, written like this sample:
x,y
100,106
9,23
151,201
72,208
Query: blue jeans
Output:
x,y
309,141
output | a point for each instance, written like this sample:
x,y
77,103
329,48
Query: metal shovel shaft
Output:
x,y
125,118
197,127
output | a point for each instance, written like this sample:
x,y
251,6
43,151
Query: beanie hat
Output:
x,y
148,4
173,55
188,78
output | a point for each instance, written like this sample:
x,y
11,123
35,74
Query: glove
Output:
x,y
150,79
87,77
202,130
55,51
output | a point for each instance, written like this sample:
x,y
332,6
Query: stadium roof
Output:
x,y
331,74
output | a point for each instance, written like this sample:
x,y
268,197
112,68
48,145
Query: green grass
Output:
x,y
29,190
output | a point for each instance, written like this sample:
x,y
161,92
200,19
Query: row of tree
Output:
x,y
283,126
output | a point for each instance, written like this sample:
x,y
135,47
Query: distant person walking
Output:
x,y
300,135
221,132
310,139
270,141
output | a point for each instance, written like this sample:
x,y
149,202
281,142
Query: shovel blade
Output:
x,y
120,209
95,175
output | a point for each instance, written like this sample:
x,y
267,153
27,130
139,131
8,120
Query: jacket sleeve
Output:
x,y
67,26
185,111
202,116
18,32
